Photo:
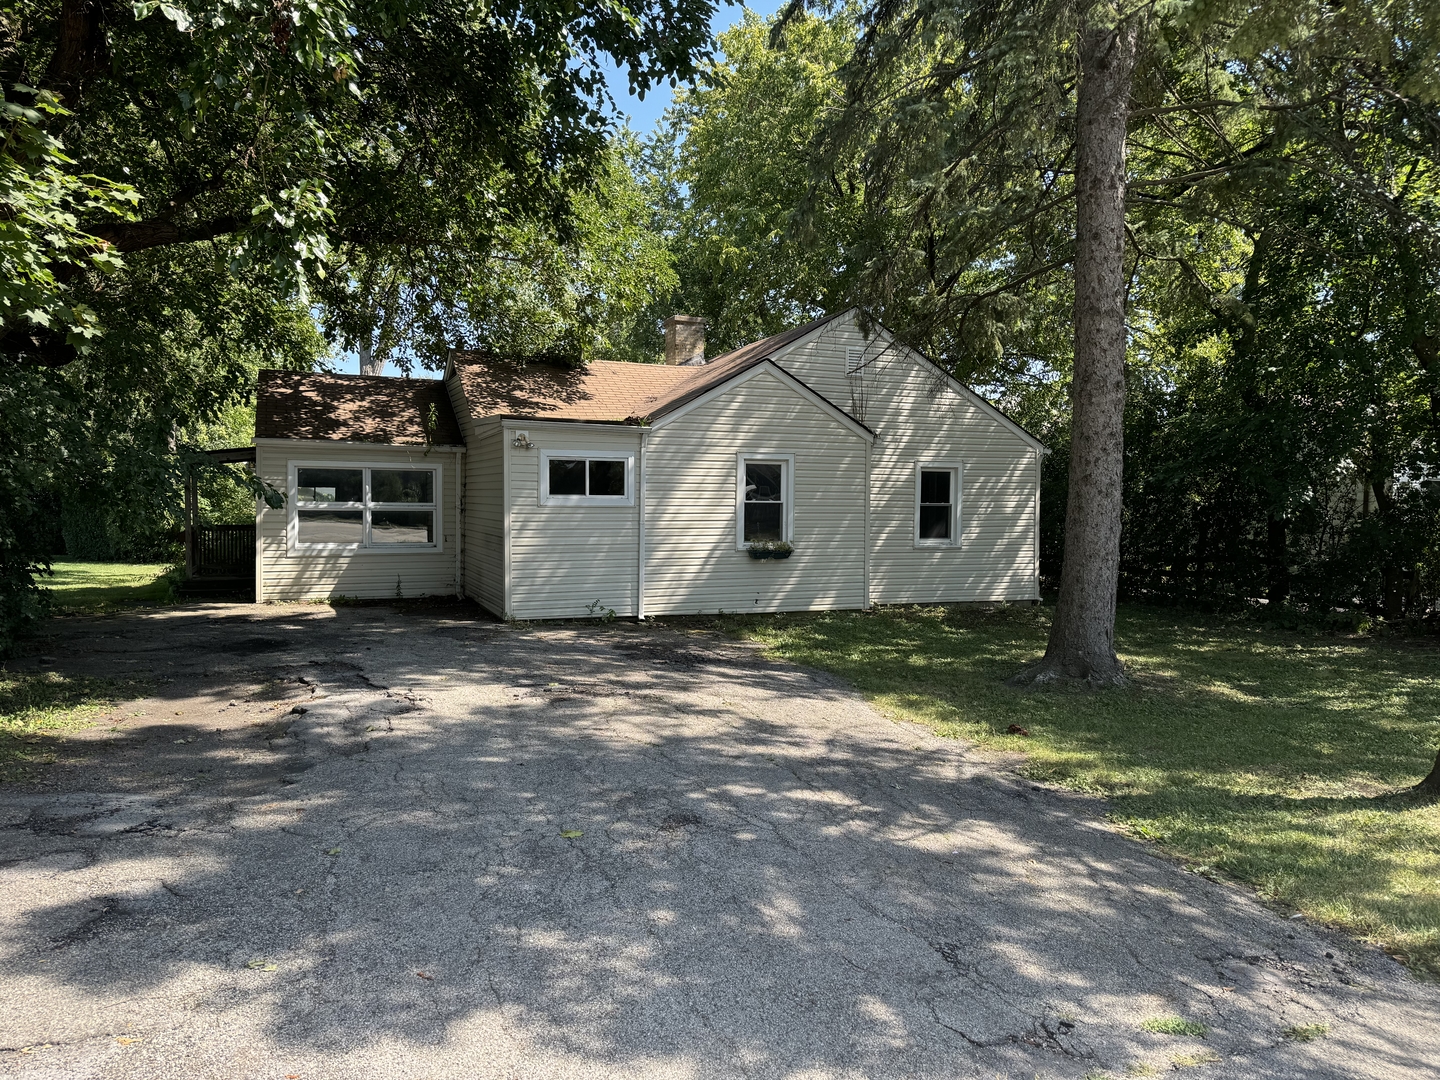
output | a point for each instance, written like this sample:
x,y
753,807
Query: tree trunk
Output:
x,y
1278,560
1082,637
368,364
1431,784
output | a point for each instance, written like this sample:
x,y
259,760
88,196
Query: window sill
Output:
x,y
935,545
351,549
585,500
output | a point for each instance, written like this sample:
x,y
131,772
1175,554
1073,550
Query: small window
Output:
x,y
764,506
764,501
937,505
854,360
568,480
361,507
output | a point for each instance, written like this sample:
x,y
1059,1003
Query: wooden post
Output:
x,y
192,507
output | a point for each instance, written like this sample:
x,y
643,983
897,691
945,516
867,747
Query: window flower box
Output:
x,y
770,549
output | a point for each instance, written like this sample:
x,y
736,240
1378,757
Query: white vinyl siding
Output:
x,y
692,563
569,561
918,417
485,515
369,573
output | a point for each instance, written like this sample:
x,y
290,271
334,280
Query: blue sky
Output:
x,y
642,117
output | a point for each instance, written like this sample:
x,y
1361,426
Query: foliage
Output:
x,y
1284,368
1258,754
403,131
185,183
731,171
576,295
40,232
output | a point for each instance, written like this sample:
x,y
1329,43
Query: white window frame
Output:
x,y
587,456
957,480
294,506
787,492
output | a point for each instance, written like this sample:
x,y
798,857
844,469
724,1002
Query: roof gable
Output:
x,y
795,340
765,366
354,408
604,391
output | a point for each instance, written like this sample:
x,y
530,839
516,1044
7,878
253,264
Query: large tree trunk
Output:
x,y
1082,637
368,364
1430,786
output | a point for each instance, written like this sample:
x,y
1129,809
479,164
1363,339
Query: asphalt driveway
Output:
x,y
359,843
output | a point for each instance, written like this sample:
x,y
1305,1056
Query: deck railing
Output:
x,y
224,550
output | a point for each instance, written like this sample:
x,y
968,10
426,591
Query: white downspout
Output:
x,y
640,537
459,524
869,452
260,536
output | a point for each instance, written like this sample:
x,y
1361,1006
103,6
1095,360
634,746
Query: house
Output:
x,y
641,489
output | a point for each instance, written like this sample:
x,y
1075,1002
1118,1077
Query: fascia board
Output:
x,y
421,447
512,423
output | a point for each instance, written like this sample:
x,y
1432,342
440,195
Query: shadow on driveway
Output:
x,y
484,850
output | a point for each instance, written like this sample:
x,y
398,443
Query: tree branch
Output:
x,y
123,236
81,48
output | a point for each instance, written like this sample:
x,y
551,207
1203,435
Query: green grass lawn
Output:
x,y
94,588
1262,755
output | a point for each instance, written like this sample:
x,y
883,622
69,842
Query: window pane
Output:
x,y
763,521
567,477
607,478
332,526
935,486
762,481
402,526
330,485
402,486
934,523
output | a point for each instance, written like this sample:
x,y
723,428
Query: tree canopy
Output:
x,y
187,187
1280,268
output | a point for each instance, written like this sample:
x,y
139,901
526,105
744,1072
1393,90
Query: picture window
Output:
x,y
363,507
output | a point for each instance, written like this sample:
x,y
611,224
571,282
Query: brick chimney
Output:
x,y
685,340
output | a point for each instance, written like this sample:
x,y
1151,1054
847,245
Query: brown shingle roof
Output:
x,y
603,390
354,408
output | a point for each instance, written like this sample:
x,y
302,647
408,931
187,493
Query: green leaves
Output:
x,y
41,236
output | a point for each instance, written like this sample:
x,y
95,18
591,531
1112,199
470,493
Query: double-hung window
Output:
x,y
764,501
570,479
361,506
937,505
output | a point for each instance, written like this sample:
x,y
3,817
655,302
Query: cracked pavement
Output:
x,y
357,842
